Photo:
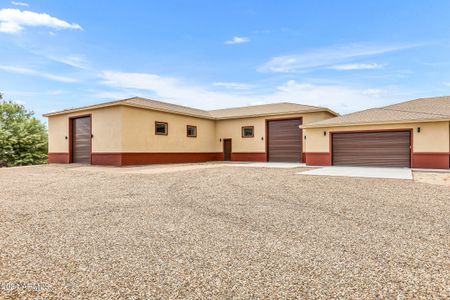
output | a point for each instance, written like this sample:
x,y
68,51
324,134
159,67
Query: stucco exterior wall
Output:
x,y
106,128
124,135
130,129
433,137
138,132
231,129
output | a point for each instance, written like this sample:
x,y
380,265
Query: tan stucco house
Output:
x,y
413,134
139,131
142,131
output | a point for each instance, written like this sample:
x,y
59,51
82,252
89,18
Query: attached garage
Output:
x,y
284,141
380,149
411,134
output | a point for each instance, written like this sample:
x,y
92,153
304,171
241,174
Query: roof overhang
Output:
x,y
283,113
120,103
390,122
123,103
84,108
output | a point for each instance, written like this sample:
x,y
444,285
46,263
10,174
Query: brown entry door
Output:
x,y
81,140
284,140
227,149
383,149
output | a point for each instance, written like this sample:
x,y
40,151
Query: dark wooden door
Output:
x,y
384,149
81,140
284,140
227,149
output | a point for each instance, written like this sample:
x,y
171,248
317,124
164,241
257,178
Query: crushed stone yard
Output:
x,y
220,232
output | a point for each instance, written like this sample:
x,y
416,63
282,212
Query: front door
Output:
x,y
227,149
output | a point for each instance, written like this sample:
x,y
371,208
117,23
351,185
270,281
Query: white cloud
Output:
x,y
168,88
326,57
21,102
350,67
14,21
70,60
237,40
447,84
114,95
340,98
35,93
31,72
20,4
337,97
374,92
9,27
233,85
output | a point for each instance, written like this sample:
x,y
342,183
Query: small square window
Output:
x,y
248,131
191,131
161,128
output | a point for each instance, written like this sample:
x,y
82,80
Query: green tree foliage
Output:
x,y
23,138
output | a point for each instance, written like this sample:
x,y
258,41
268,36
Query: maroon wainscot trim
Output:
x,y
107,159
431,160
249,156
137,158
318,158
58,158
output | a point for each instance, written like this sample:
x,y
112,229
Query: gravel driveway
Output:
x,y
221,232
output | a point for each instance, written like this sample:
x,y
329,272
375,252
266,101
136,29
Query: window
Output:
x,y
161,128
191,131
248,131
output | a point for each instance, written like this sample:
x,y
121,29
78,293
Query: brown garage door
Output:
x,y
386,149
81,140
284,140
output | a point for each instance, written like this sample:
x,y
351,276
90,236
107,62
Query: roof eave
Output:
x,y
312,126
168,111
123,103
84,108
296,112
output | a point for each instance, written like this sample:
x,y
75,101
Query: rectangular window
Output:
x,y
161,128
248,131
191,131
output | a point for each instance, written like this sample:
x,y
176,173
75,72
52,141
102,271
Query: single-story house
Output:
x,y
139,131
410,134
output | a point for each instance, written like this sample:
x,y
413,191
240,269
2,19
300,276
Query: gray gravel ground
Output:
x,y
220,232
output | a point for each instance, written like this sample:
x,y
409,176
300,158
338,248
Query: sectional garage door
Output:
x,y
284,140
384,149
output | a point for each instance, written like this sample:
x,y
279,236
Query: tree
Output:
x,y
23,138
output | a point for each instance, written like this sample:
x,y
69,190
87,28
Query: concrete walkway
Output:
x,y
368,172
276,165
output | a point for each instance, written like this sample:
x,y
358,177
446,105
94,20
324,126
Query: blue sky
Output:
x,y
346,55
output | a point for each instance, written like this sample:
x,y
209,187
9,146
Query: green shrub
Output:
x,y
23,138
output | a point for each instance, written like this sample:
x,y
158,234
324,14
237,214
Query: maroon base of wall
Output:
x,y
165,158
317,158
128,159
106,159
427,160
248,156
431,160
122,159
424,160
58,158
